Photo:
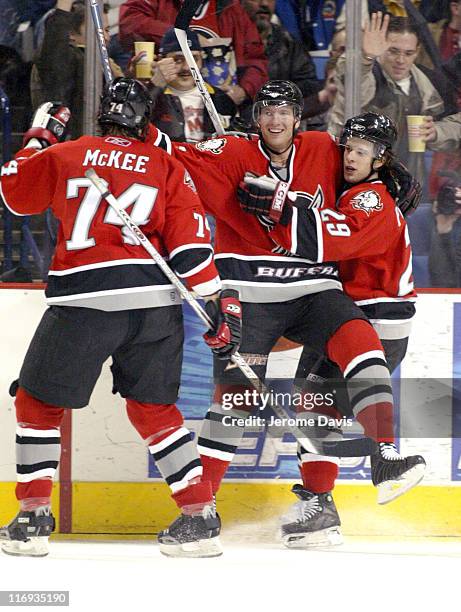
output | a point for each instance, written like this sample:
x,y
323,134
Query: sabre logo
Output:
x,y
368,201
233,308
215,145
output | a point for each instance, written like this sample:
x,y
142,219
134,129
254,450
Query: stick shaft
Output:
x,y
99,29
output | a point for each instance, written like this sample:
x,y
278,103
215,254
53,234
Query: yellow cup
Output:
x,y
144,65
415,143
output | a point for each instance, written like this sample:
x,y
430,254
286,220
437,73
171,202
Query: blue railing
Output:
x,y
28,244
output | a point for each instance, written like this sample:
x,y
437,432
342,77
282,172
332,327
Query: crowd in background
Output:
x,y
413,68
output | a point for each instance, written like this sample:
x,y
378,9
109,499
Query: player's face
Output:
x,y
358,159
184,81
277,124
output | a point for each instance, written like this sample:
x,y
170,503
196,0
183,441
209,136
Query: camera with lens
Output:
x,y
446,201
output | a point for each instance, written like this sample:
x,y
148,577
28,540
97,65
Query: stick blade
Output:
x,y
187,11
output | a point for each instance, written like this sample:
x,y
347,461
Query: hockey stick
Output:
x,y
97,21
187,11
335,448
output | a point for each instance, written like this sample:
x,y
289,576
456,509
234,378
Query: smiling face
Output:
x,y
398,60
359,156
277,124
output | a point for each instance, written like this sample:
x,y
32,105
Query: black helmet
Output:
x,y
373,127
276,93
127,103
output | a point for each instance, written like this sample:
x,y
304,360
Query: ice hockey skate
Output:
x,y
27,534
393,474
195,535
312,522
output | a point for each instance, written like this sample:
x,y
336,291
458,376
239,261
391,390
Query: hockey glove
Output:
x,y
49,124
408,193
226,315
263,195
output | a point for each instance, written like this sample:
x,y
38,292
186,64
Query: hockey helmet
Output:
x,y
373,127
127,103
278,93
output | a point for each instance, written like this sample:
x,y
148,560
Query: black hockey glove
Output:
x,y
239,127
226,314
49,124
266,197
403,187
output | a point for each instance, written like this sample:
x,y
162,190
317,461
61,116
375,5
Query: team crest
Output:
x,y
189,182
214,145
368,201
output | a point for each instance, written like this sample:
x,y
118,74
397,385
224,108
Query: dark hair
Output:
x,y
78,12
402,25
115,130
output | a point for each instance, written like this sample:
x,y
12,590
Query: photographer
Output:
x,y
445,252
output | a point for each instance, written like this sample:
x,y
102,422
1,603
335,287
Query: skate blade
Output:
x,y
34,547
391,489
203,548
320,539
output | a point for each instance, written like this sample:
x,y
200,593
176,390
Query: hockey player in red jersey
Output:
x,y
106,299
366,232
282,295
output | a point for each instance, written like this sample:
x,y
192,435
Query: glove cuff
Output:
x,y
45,136
278,201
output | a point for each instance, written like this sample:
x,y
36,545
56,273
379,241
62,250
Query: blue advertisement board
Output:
x,y
260,456
456,404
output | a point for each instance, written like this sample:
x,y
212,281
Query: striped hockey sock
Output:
x,y
356,349
170,443
38,449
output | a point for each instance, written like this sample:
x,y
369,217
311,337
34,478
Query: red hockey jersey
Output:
x,y
97,262
368,235
245,254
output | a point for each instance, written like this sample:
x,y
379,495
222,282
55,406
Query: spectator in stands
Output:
x,y
287,60
447,31
59,67
13,76
317,107
315,115
447,35
178,106
314,21
149,20
13,13
419,13
431,10
445,251
393,85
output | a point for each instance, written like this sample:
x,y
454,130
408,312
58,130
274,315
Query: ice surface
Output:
x,y
378,574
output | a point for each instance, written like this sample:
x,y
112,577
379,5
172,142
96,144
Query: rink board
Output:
x,y
109,485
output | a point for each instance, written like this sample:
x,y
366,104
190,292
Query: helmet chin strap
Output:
x,y
372,170
273,151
